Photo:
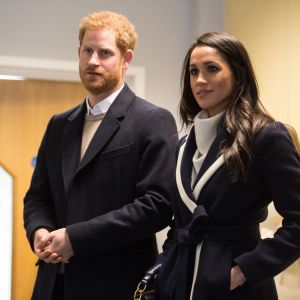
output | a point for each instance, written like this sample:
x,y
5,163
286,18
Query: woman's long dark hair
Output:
x,y
245,116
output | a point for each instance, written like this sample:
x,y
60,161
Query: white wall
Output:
x,y
208,15
49,30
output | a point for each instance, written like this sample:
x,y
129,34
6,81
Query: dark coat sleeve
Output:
x,y
38,205
280,167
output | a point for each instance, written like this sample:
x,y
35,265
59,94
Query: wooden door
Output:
x,y
25,109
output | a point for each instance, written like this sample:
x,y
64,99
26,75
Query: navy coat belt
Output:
x,y
173,279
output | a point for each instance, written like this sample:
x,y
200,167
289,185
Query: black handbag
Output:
x,y
145,289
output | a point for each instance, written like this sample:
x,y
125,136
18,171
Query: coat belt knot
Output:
x,y
173,281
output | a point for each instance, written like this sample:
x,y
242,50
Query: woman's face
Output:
x,y
211,79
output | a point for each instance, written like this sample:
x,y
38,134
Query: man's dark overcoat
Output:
x,y
111,202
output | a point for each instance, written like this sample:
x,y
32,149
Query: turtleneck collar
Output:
x,y
206,129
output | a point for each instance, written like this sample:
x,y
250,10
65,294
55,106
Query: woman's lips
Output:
x,y
204,93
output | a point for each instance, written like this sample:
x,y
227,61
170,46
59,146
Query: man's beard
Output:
x,y
105,83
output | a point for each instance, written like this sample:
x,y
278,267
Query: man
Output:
x,y
102,184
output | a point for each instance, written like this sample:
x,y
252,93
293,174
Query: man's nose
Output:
x,y
94,59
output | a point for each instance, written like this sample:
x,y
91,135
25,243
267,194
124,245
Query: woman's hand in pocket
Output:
x,y
237,277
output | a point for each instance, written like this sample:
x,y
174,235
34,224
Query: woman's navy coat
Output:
x,y
224,220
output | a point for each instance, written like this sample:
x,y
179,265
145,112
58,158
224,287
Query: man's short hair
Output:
x,y
126,35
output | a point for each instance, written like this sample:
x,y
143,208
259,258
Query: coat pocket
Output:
x,y
115,152
213,278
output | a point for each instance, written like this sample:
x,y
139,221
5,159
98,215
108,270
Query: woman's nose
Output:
x,y
201,78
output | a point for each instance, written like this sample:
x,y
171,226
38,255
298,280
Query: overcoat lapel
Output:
x,y
109,126
103,134
72,144
71,163
186,162
212,154
211,164
183,172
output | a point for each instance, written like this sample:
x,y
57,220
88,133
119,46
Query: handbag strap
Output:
x,y
149,277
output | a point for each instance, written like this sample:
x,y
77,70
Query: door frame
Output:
x,y
6,230
62,70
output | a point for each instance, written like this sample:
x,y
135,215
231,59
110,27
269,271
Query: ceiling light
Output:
x,y
11,77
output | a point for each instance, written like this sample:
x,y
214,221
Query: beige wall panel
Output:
x,y
270,31
25,108
294,63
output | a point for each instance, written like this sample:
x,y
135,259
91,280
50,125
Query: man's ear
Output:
x,y
127,58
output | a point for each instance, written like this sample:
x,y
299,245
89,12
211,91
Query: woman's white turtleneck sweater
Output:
x,y
205,133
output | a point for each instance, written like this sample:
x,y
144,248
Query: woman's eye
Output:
x,y
193,72
212,69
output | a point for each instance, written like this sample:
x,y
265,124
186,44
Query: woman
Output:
x,y
235,160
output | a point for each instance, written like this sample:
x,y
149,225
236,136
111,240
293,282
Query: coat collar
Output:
x,y
213,153
71,163
211,164
187,162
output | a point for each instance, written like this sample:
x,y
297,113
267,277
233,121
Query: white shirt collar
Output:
x,y
206,129
103,106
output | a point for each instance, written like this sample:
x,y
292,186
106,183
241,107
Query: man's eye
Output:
x,y
88,50
105,53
